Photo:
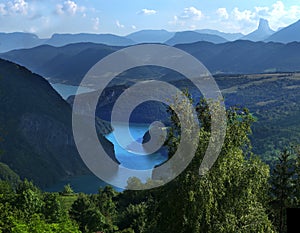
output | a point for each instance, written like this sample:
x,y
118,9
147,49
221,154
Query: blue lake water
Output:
x,y
67,90
91,183
132,160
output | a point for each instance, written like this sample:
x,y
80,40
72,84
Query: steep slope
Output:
x,y
150,36
192,36
8,175
225,35
261,33
287,35
36,128
108,39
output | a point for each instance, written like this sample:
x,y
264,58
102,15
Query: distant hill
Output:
x,y
286,35
108,39
225,35
18,40
192,36
35,128
261,33
150,36
62,64
246,57
70,63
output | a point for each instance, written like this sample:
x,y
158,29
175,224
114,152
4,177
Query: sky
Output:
x,y
121,17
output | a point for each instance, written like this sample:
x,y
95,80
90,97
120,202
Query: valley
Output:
x,y
149,116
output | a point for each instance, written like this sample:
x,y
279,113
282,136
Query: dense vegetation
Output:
x,y
236,195
36,129
272,98
273,101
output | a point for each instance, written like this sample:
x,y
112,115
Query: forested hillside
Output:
x,y
35,129
236,195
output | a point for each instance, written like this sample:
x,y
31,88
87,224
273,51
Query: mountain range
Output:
x,y
36,138
61,64
287,34
19,40
192,37
69,64
226,36
109,39
150,36
261,33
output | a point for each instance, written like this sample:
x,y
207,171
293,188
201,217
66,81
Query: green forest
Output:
x,y
240,193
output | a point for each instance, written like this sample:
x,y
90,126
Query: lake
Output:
x,y
91,183
131,160
67,90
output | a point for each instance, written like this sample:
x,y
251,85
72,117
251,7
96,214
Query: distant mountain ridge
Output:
x,y
69,64
70,61
288,34
187,37
246,57
20,40
108,39
225,35
261,33
150,36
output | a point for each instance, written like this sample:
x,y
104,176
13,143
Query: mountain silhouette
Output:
x,y
261,33
288,34
193,36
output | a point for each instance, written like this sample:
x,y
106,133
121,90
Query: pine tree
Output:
x,y
282,189
296,182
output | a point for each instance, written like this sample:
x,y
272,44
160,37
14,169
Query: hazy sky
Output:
x,y
45,17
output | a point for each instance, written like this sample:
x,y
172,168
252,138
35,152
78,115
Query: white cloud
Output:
x,y
245,15
246,20
96,23
176,21
14,7
278,9
294,12
59,9
262,10
133,26
69,7
191,13
18,6
147,12
119,25
222,12
188,18
278,14
3,10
